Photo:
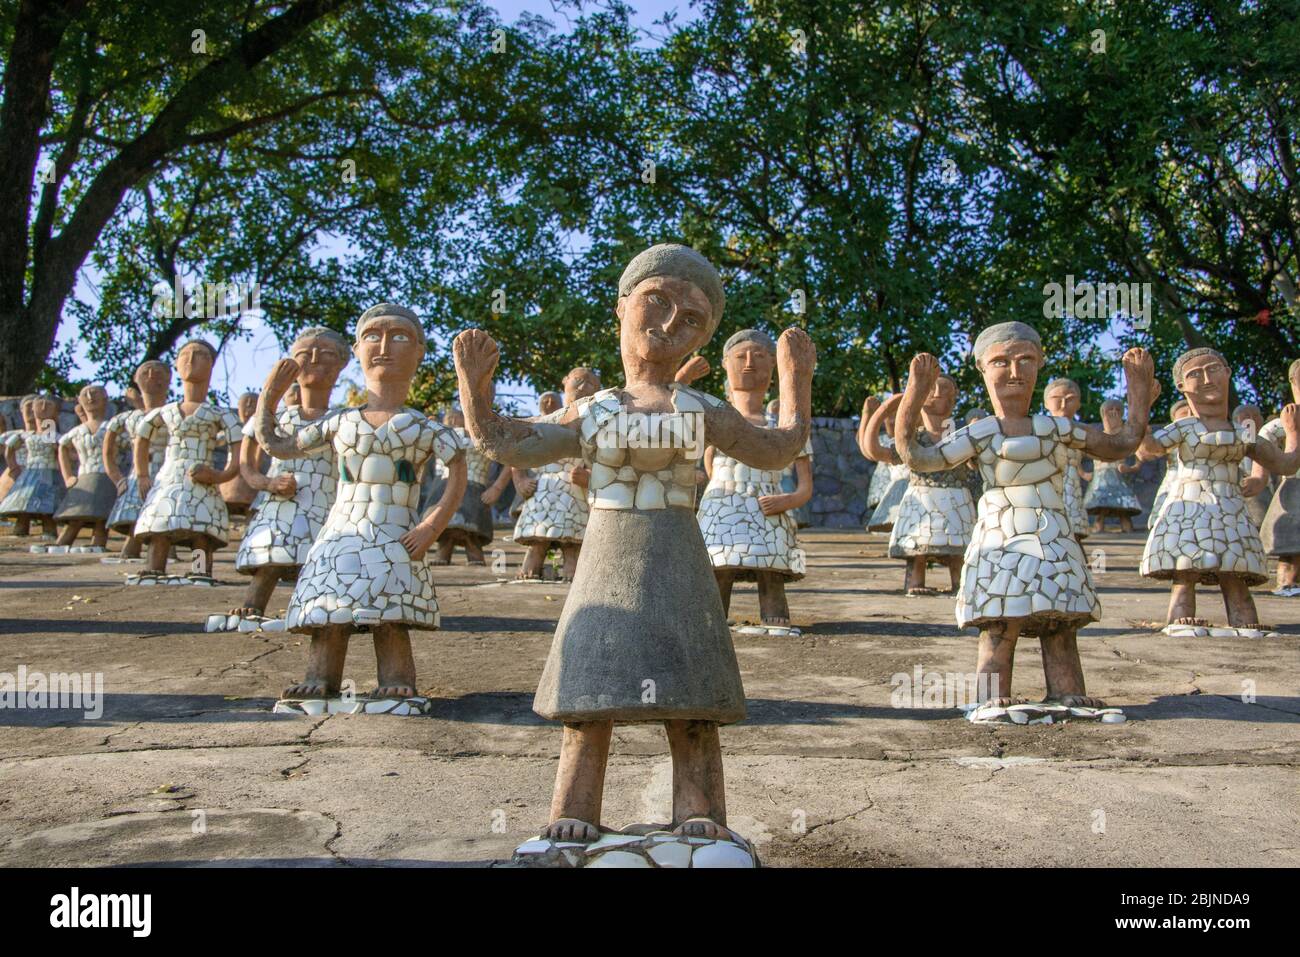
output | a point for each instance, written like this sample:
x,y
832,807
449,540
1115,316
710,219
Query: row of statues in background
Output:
x,y
614,479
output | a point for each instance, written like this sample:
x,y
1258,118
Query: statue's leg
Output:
x,y
580,782
70,532
473,552
325,657
445,547
569,560
699,793
99,535
1063,671
997,653
394,661
1286,571
1182,599
725,578
131,547
533,561
914,575
954,571
160,547
48,528
1126,522
1238,601
258,593
773,606
23,526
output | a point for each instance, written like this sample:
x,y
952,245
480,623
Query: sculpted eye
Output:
x,y
401,337
371,337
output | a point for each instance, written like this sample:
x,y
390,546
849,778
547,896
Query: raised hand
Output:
x,y
476,356
869,407
283,374
1290,417
696,367
795,353
1140,375
924,371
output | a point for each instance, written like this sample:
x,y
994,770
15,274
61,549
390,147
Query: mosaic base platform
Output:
x,y
67,549
770,631
118,560
358,704
1040,713
150,578
1210,631
240,623
656,849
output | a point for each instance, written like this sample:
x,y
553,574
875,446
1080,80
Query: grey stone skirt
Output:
x,y
642,636
90,499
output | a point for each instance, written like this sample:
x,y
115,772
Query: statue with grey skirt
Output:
x,y
643,637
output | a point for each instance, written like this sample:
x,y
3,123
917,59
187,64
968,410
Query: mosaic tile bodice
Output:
x,y
42,451
956,477
1205,455
125,426
643,460
315,467
191,439
1025,472
89,447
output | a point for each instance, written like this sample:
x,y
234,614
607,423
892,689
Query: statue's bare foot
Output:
x,y
921,591
571,829
704,827
1203,622
1080,701
529,577
393,691
307,689
1002,702
249,612
775,621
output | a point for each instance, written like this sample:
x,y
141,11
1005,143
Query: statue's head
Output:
x,y
1062,397
321,354
1009,356
195,361
1179,410
77,409
1248,413
1112,415
293,396
942,397
670,302
153,377
974,415
389,344
774,408
25,410
93,399
580,383
246,406
453,418
45,408
131,395
1203,377
749,358
549,402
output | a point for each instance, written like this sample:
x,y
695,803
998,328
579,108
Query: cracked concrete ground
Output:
x,y
187,764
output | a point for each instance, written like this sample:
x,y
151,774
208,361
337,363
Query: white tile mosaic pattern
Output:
x,y
177,505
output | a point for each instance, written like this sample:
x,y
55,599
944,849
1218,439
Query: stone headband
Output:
x,y
679,262
1191,354
1005,332
322,332
391,310
759,338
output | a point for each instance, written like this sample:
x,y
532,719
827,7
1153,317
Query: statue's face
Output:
x,y
454,419
29,417
294,395
194,364
153,378
1205,385
749,367
94,401
663,320
1242,416
389,351
43,409
132,397
1112,417
1010,371
579,384
941,398
247,406
319,361
547,403
774,408
1062,400
78,411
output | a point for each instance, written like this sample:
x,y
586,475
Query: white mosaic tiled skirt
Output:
x,y
882,519
737,533
283,529
932,520
1025,563
556,512
1204,526
180,507
358,572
